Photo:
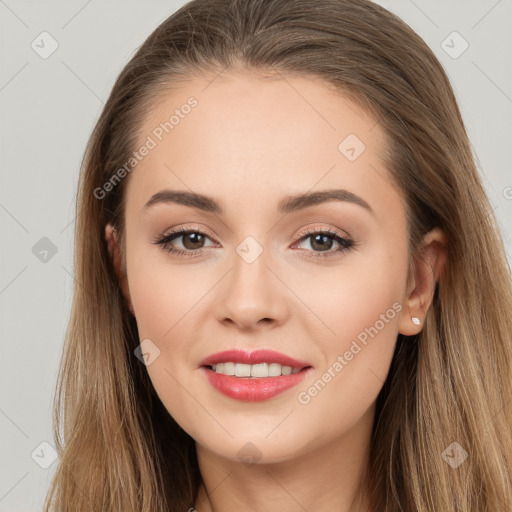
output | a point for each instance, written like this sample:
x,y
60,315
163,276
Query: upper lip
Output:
x,y
252,357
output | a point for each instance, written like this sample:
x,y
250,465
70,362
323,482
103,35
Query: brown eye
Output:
x,y
321,241
191,241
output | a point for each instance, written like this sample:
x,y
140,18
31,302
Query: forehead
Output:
x,y
250,137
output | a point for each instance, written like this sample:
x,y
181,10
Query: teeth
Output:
x,y
254,370
259,370
242,370
229,369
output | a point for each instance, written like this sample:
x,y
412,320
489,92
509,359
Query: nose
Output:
x,y
252,295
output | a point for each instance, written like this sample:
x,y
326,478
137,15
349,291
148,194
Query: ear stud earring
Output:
x,y
415,320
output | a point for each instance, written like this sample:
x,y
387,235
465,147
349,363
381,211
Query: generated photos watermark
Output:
x,y
157,135
305,397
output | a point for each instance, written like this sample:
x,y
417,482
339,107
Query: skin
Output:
x,y
249,142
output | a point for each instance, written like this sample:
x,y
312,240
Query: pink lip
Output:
x,y
254,357
251,389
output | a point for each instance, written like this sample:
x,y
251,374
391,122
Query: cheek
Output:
x,y
163,297
345,301
362,310
169,299
163,292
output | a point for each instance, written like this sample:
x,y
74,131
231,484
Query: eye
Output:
x,y
192,241
323,240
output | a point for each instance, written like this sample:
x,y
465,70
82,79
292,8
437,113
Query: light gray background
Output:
x,y
47,110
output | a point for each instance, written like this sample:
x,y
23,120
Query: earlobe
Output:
x,y
429,262
113,250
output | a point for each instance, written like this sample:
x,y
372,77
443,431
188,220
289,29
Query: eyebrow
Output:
x,y
288,204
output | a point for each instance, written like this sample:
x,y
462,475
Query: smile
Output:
x,y
253,376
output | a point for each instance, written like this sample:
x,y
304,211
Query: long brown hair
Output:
x,y
119,448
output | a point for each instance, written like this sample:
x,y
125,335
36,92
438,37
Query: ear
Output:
x,y
115,256
428,264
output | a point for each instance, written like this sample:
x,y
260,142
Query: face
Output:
x,y
315,285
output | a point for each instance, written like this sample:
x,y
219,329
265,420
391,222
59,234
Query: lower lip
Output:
x,y
253,389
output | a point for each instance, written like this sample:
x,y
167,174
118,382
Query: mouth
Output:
x,y
253,376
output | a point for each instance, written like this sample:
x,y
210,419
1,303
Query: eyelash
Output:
x,y
165,242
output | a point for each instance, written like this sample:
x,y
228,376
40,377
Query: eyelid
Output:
x,y
318,229
186,229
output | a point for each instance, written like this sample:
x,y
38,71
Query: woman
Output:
x,y
293,294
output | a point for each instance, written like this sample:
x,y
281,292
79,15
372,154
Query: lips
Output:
x,y
254,357
248,388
